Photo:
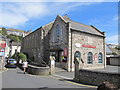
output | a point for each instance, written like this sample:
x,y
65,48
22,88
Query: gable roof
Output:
x,y
82,27
48,26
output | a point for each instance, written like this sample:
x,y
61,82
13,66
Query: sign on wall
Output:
x,y
2,52
65,52
77,45
2,45
88,46
96,57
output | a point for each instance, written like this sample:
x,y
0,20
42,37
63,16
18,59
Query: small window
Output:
x,y
100,58
90,58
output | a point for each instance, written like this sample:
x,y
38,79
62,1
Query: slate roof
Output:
x,y
82,27
48,26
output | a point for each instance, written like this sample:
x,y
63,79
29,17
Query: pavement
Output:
x,y
70,75
109,68
14,78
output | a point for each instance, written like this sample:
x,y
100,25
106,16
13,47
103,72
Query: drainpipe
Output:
x,y
71,51
69,47
104,45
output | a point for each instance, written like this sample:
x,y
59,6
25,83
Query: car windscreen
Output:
x,y
11,60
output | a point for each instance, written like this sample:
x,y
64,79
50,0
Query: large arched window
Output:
x,y
100,58
90,58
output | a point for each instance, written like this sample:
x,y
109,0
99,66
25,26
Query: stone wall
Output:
x,y
59,39
97,77
38,70
33,46
88,39
115,60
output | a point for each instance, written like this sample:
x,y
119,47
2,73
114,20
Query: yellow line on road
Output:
x,y
75,83
4,70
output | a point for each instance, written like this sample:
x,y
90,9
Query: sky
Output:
x,y
32,15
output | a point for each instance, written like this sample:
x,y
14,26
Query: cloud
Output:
x,y
18,14
15,14
112,39
56,8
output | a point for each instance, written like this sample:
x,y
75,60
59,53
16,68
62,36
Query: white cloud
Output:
x,y
112,39
17,14
63,8
11,20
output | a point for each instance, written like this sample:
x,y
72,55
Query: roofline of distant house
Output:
x,y
11,29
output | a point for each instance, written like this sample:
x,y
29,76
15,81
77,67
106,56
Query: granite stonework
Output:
x,y
36,45
59,38
35,70
88,39
97,77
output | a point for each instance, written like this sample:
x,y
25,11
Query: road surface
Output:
x,y
14,78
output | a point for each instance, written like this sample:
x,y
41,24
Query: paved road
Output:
x,y
14,78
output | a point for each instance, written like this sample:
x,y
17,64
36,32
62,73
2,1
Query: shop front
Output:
x,y
61,57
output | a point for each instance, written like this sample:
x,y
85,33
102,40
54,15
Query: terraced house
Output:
x,y
17,32
67,40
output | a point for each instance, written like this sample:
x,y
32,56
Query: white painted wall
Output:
x,y
14,48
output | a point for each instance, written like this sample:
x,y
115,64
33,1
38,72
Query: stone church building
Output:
x,y
66,40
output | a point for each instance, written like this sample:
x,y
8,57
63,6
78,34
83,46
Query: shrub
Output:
x,y
113,53
15,56
22,56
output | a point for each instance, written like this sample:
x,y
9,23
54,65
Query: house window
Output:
x,y
90,58
100,58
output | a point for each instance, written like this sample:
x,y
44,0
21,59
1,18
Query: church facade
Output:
x,y
66,40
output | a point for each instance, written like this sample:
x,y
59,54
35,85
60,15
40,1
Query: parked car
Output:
x,y
11,63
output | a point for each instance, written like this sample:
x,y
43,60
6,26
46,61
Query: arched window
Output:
x,y
100,58
90,58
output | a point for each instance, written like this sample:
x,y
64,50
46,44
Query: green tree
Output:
x,y
22,56
15,55
3,31
20,38
118,48
14,38
113,53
